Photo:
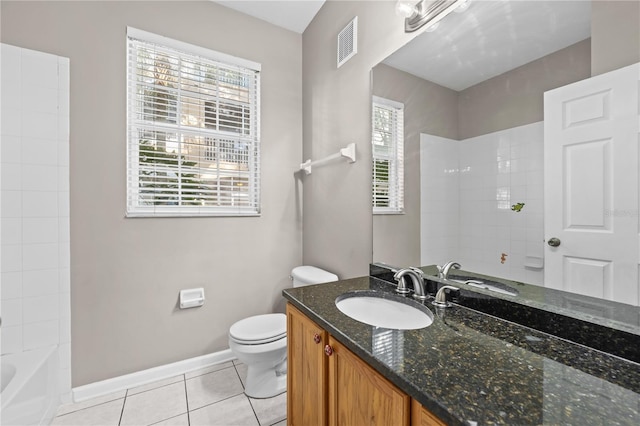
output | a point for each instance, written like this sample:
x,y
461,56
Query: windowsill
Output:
x,y
389,213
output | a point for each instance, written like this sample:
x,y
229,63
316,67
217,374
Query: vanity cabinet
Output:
x,y
329,384
306,370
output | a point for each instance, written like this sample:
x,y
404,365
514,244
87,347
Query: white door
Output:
x,y
591,186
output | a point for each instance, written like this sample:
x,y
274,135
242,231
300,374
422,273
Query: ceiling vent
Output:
x,y
348,42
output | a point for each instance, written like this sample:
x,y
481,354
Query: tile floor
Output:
x,y
213,396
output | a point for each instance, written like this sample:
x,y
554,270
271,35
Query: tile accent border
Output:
x,y
143,377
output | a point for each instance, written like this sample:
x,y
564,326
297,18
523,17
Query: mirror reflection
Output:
x,y
473,114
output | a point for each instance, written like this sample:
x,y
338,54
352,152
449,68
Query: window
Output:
x,y
388,156
193,140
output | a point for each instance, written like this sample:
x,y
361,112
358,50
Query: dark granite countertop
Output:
x,y
472,368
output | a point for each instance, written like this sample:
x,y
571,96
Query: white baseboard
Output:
x,y
150,375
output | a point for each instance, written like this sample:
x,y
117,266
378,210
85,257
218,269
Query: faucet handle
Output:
x,y
441,296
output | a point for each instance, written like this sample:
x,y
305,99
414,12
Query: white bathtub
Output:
x,y
30,391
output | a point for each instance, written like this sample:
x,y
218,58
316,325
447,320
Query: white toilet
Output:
x,y
260,341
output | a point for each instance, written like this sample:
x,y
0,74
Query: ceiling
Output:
x,y
294,15
492,37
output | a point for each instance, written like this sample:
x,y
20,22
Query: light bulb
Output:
x,y
405,8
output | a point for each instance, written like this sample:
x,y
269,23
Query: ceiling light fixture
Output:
x,y
406,8
427,13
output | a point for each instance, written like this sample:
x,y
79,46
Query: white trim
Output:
x,y
150,375
191,48
388,102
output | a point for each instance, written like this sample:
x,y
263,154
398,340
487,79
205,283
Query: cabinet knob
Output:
x,y
328,350
316,338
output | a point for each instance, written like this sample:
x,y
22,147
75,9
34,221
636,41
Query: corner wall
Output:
x,y
337,110
126,273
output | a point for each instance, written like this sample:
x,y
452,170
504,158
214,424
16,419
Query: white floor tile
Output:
x,y
181,420
242,372
155,405
232,411
69,408
211,369
213,387
155,385
107,414
270,410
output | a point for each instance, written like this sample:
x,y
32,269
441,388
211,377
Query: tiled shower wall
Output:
x,y
470,195
35,280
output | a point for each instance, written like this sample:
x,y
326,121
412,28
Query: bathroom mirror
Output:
x,y
472,91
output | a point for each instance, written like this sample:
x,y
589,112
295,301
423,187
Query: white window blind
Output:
x,y
193,144
388,156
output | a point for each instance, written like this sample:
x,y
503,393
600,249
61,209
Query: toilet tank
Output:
x,y
307,275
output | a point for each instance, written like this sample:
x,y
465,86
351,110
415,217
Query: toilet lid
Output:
x,y
259,329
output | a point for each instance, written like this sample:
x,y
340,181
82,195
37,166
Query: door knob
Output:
x,y
316,338
554,242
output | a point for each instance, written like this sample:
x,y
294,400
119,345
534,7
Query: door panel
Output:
x,y
592,186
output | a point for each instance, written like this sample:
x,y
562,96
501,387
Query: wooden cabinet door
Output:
x,y
306,371
358,395
420,416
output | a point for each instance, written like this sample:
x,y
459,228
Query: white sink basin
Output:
x,y
371,308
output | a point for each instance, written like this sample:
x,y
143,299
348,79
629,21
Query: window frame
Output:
x,y
134,207
396,175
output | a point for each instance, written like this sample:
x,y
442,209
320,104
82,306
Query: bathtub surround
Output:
x,y
35,287
127,273
469,190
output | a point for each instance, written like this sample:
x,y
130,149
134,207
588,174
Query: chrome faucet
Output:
x,y
441,296
417,279
443,271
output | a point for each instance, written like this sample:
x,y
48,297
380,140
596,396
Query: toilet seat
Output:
x,y
259,329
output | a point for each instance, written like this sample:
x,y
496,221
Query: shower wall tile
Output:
x,y
40,282
35,286
39,230
11,312
11,258
40,334
494,172
39,256
40,151
41,308
64,335
11,149
11,339
11,285
36,177
64,280
11,175
40,204
11,204
11,230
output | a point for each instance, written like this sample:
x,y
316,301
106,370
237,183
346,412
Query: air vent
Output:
x,y
348,42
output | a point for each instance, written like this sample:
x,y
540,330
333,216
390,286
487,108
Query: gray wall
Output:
x,y
515,98
428,108
126,273
615,34
337,111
